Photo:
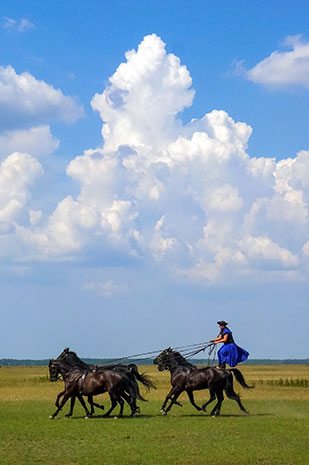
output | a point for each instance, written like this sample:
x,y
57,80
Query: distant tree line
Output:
x,y
148,361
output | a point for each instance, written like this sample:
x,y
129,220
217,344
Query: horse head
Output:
x,y
162,359
58,369
170,359
53,370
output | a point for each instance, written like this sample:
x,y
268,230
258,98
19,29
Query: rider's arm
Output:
x,y
220,339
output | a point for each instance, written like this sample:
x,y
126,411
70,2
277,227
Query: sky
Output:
x,y
154,176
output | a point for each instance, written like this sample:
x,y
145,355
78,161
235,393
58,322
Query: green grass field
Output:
x,y
275,432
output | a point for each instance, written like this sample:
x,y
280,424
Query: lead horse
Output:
x,y
186,377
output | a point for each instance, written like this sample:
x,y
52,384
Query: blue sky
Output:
x,y
154,167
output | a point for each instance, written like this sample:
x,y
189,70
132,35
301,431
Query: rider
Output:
x,y
230,352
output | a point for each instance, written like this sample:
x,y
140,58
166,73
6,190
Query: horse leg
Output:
x,y
191,398
114,403
94,404
169,397
121,402
73,398
173,400
232,395
132,403
59,397
91,403
211,399
83,404
66,396
217,408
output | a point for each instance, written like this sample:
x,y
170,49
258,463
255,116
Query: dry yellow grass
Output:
x,y
31,383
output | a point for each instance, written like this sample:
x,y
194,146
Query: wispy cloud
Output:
x,y
106,289
19,25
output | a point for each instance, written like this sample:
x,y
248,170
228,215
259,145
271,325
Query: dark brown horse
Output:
x,y
79,383
131,371
186,377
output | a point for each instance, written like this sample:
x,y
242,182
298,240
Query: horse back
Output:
x,y
203,378
98,382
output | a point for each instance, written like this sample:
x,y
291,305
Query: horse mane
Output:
x,y
180,360
76,361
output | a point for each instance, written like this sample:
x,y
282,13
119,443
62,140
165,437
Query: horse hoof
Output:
x,y
51,417
163,412
116,418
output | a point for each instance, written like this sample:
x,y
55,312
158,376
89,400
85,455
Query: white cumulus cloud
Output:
x,y
143,97
26,101
186,195
284,68
38,141
17,173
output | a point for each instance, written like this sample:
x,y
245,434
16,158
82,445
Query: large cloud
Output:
x,y
188,196
143,97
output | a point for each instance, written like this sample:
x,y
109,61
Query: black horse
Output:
x,y
187,377
131,371
79,383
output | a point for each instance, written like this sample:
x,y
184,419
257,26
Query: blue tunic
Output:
x,y
230,352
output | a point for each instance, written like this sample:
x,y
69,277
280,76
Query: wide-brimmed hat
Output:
x,y
222,323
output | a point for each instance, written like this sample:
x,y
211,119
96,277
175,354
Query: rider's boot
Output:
x,y
222,365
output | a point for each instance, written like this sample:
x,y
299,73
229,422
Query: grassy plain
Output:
x,y
276,431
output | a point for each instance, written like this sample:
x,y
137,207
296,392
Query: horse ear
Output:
x,y
66,349
169,349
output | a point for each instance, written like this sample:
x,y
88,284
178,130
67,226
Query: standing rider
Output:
x,y
230,352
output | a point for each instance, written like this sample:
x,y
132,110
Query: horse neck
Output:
x,y
64,369
179,361
175,362
75,361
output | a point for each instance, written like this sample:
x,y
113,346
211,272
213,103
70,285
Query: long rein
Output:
x,y
187,351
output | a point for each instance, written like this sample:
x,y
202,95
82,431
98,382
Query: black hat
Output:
x,y
222,323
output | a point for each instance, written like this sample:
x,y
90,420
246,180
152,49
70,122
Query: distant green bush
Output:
x,y
303,383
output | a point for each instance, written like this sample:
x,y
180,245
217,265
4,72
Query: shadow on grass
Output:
x,y
230,415
102,417
202,417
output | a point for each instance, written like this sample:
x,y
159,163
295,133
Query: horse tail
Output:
x,y
240,378
132,388
142,377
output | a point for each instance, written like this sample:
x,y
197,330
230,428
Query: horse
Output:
x,y
79,383
131,371
186,377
